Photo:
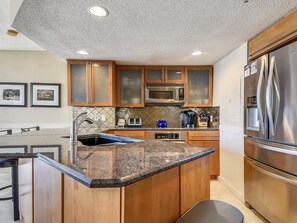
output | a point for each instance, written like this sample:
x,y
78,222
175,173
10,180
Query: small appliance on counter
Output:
x,y
202,120
121,123
162,123
134,122
188,119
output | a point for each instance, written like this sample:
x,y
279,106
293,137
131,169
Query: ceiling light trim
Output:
x,y
98,11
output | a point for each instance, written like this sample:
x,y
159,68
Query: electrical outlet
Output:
x,y
103,118
96,118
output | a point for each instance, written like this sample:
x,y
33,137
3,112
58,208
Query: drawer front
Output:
x,y
203,135
133,134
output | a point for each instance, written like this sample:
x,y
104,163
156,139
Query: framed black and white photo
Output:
x,y
51,151
13,94
45,95
14,149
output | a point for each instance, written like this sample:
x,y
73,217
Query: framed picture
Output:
x,y
13,94
45,95
13,149
51,151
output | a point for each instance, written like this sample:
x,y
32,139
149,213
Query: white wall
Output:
x,y
33,66
228,94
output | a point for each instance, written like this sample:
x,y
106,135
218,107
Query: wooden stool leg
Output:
x,y
15,192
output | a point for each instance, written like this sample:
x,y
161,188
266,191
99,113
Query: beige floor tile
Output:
x,y
219,192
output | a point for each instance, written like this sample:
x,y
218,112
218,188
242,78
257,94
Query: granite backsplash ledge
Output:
x,y
150,114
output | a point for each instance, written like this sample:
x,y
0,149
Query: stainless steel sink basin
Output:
x,y
102,139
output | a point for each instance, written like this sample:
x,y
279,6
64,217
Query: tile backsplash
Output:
x,y
149,115
107,112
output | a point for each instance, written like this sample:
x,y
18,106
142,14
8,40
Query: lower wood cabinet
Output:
x,y
163,197
208,139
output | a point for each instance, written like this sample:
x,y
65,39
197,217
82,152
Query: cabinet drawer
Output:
x,y
203,135
133,134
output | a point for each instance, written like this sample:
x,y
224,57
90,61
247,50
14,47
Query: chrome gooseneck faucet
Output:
x,y
75,125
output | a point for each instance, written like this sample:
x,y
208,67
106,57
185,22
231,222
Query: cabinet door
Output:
x,y
102,84
174,74
78,83
214,157
199,86
130,87
132,134
154,74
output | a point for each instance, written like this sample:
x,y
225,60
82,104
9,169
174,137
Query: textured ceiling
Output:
x,y
148,31
12,43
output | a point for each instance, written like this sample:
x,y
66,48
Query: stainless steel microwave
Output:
x,y
164,94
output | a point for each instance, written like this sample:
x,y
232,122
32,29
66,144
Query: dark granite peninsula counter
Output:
x,y
124,180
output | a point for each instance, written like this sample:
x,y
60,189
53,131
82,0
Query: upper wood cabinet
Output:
x,y
280,33
157,74
91,83
198,89
130,86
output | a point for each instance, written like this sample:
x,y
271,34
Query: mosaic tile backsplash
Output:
x,y
151,114
108,113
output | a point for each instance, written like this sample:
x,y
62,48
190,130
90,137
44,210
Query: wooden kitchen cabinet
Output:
x,y
130,86
208,139
132,134
170,74
198,89
280,33
91,83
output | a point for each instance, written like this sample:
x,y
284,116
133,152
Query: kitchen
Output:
x,y
224,88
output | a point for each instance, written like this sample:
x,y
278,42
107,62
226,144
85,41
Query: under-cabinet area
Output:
x,y
101,83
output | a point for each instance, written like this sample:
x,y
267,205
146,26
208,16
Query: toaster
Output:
x,y
134,122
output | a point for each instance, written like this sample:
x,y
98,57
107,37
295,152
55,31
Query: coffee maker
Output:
x,y
188,119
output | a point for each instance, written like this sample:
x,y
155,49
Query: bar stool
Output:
x,y
13,163
212,211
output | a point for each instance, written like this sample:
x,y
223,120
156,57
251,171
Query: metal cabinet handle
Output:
x,y
272,173
259,88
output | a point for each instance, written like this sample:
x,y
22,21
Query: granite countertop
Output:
x,y
113,165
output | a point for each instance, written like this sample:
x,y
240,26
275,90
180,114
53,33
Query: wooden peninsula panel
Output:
x,y
26,189
93,205
48,191
152,200
194,183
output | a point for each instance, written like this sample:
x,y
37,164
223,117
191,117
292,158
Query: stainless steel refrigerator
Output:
x,y
270,163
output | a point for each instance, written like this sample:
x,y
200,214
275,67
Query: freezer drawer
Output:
x,y
270,192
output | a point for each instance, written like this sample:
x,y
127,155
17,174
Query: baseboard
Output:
x,y
232,189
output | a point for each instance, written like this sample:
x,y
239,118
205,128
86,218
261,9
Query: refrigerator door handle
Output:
x,y
277,94
266,170
269,93
259,105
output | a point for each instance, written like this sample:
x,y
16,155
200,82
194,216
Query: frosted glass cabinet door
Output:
x,y
79,83
131,87
154,74
174,74
199,87
101,83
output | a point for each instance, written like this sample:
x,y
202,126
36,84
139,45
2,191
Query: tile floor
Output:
x,y
218,192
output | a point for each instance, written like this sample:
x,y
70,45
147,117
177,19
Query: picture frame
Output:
x,y
13,94
51,151
14,149
45,94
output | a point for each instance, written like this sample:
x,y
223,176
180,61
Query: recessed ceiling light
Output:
x,y
12,32
82,52
98,11
245,1
196,53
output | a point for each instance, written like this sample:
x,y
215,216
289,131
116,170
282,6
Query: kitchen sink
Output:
x,y
102,139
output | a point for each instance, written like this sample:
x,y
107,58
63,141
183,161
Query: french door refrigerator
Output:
x,y
270,126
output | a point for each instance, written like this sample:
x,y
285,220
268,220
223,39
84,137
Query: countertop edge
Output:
x,y
101,183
